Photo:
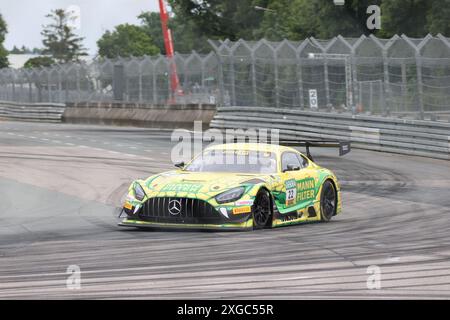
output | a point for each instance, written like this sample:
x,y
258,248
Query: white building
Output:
x,y
16,61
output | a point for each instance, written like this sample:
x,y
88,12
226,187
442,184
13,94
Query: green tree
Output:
x,y
42,61
15,50
438,17
36,51
298,19
60,41
185,34
322,19
219,19
404,16
275,19
21,50
3,52
126,40
151,24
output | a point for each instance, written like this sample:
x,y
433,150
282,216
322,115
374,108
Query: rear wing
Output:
x,y
344,146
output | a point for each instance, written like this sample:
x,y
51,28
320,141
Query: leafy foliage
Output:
x,y
194,21
25,50
60,41
42,61
126,40
3,52
298,19
185,33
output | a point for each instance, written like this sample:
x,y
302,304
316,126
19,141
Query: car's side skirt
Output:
x,y
298,216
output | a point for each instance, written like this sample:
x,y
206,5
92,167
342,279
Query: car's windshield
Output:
x,y
234,161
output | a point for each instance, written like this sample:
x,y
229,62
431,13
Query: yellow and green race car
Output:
x,y
236,186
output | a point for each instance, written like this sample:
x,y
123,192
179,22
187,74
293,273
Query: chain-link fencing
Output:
x,y
400,76
137,79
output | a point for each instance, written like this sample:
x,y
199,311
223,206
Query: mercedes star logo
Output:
x,y
174,207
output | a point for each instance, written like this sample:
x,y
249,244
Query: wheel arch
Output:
x,y
334,182
271,199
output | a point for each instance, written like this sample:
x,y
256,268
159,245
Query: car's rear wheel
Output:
x,y
261,211
328,201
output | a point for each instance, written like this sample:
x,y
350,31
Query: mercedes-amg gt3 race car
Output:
x,y
236,186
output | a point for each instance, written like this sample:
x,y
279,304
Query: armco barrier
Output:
x,y
411,137
46,112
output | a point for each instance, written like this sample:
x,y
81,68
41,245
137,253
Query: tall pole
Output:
x,y
168,44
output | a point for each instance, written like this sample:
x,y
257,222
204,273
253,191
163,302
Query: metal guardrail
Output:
x,y
411,137
46,112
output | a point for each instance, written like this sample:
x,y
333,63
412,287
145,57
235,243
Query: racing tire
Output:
x,y
328,201
261,210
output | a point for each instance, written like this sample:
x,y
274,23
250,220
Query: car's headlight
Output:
x,y
139,193
230,195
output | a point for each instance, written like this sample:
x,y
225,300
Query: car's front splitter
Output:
x,y
242,226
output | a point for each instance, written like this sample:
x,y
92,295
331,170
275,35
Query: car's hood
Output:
x,y
180,181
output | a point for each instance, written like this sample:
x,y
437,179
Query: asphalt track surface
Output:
x,y
60,184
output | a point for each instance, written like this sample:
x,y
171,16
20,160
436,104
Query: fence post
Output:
x,y
220,80
419,84
356,92
170,94
327,84
140,84
404,82
59,87
39,87
78,84
49,90
300,81
30,90
154,88
202,73
277,88
118,79
386,86
66,87
233,83
13,91
255,99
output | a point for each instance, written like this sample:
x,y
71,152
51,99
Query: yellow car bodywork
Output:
x,y
295,195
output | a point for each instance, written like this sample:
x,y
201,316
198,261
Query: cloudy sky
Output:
x,y
26,17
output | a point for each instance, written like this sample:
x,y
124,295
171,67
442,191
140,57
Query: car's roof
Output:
x,y
263,147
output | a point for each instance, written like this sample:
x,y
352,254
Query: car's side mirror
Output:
x,y
291,167
179,165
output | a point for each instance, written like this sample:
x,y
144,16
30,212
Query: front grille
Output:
x,y
190,211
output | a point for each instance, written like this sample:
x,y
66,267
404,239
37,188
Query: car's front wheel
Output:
x,y
261,211
328,201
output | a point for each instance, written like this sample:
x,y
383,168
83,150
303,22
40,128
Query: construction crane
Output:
x,y
168,44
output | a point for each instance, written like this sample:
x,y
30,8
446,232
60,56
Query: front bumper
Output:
x,y
240,226
191,213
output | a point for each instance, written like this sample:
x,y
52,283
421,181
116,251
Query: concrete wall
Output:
x,y
139,114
